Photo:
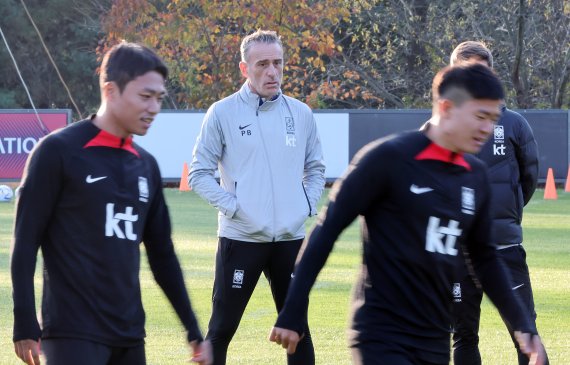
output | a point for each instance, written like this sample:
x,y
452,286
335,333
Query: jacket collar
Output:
x,y
255,101
437,152
106,139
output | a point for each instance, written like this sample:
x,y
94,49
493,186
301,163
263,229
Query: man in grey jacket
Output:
x,y
269,156
511,155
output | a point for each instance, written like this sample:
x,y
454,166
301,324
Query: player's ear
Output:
x,y
243,68
444,106
109,90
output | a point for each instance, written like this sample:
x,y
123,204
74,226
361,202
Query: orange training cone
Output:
x,y
567,187
184,179
550,187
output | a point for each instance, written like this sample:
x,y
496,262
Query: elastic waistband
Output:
x,y
502,247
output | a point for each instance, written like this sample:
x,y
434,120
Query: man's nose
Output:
x,y
489,125
272,70
154,106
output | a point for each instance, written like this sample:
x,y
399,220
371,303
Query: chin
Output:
x,y
271,91
143,130
140,132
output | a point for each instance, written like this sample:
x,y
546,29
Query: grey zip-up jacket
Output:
x,y
271,166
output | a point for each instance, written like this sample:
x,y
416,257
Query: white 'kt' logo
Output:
x,y
113,220
435,234
499,150
290,140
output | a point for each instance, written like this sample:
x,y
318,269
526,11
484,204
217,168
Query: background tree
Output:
x,y
392,48
549,52
71,30
385,61
200,40
531,46
339,54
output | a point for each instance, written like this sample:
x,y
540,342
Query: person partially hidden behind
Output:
x,y
511,155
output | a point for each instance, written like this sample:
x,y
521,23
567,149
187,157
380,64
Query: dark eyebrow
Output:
x,y
490,114
154,91
268,60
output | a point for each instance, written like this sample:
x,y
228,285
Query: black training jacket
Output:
x,y
511,154
420,204
88,199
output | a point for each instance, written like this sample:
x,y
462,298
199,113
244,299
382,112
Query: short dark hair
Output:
x,y
126,61
462,82
469,49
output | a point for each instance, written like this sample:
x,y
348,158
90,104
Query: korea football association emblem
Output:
x,y
143,189
290,139
467,200
237,279
499,133
457,292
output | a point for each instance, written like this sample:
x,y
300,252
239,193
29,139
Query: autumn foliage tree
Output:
x,y
338,54
200,39
391,50
352,53
70,30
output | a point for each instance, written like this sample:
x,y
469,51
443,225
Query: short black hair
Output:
x,y
126,61
467,81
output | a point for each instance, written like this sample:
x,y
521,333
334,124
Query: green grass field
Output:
x,y
547,231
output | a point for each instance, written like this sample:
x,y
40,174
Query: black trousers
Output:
x,y
467,312
238,268
383,353
71,351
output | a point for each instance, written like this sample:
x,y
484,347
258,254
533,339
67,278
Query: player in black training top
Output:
x,y
422,200
88,198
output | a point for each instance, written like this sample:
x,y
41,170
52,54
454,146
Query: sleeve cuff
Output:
x,y
26,329
231,211
195,335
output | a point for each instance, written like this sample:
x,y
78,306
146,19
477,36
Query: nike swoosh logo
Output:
x,y
518,286
90,180
417,190
243,127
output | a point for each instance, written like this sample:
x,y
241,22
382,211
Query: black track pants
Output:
x,y
70,351
466,313
238,268
383,353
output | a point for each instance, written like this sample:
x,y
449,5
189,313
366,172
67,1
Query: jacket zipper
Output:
x,y
270,172
307,197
